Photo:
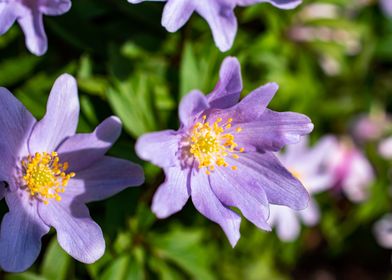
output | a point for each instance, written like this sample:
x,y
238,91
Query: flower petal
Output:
x,y
61,118
227,91
234,188
77,233
273,130
175,14
279,185
7,17
385,148
282,4
15,125
310,215
173,194
105,178
286,222
192,104
54,7
209,205
251,108
33,28
160,148
221,19
21,232
285,4
81,150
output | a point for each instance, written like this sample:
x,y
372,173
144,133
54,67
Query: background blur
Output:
x,y
333,62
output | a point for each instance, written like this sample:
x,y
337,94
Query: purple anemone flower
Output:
x,y
222,155
218,13
385,148
382,231
51,173
386,7
352,170
29,15
308,165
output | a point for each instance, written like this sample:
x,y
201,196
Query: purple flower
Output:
x,y
308,165
371,127
218,13
29,15
382,230
352,171
386,7
385,148
222,155
51,173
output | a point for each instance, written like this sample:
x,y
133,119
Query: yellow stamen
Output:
x,y
44,176
210,144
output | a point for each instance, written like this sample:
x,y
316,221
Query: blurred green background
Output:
x,y
126,64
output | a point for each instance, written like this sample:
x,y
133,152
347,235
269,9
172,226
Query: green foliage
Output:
x,y
127,65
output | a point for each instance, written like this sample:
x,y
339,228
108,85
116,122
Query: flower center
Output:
x,y
210,144
44,176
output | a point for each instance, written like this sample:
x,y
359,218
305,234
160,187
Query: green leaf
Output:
x,y
117,269
186,249
188,71
26,276
56,262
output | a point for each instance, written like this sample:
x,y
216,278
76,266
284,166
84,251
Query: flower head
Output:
x,y
218,13
51,174
29,15
382,231
308,166
386,7
222,155
352,171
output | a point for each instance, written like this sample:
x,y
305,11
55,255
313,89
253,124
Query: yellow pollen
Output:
x,y
210,144
45,177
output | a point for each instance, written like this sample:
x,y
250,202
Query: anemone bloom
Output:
x,y
218,13
382,231
386,7
51,173
29,15
385,148
352,171
222,155
308,165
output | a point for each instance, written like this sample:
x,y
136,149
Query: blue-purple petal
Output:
x,y
61,118
279,185
175,14
54,7
7,17
173,194
33,28
273,130
15,125
191,105
77,233
221,19
103,179
21,232
282,4
82,150
160,148
210,206
228,90
234,188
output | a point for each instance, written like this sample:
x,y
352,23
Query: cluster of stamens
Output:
x,y
45,177
210,145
